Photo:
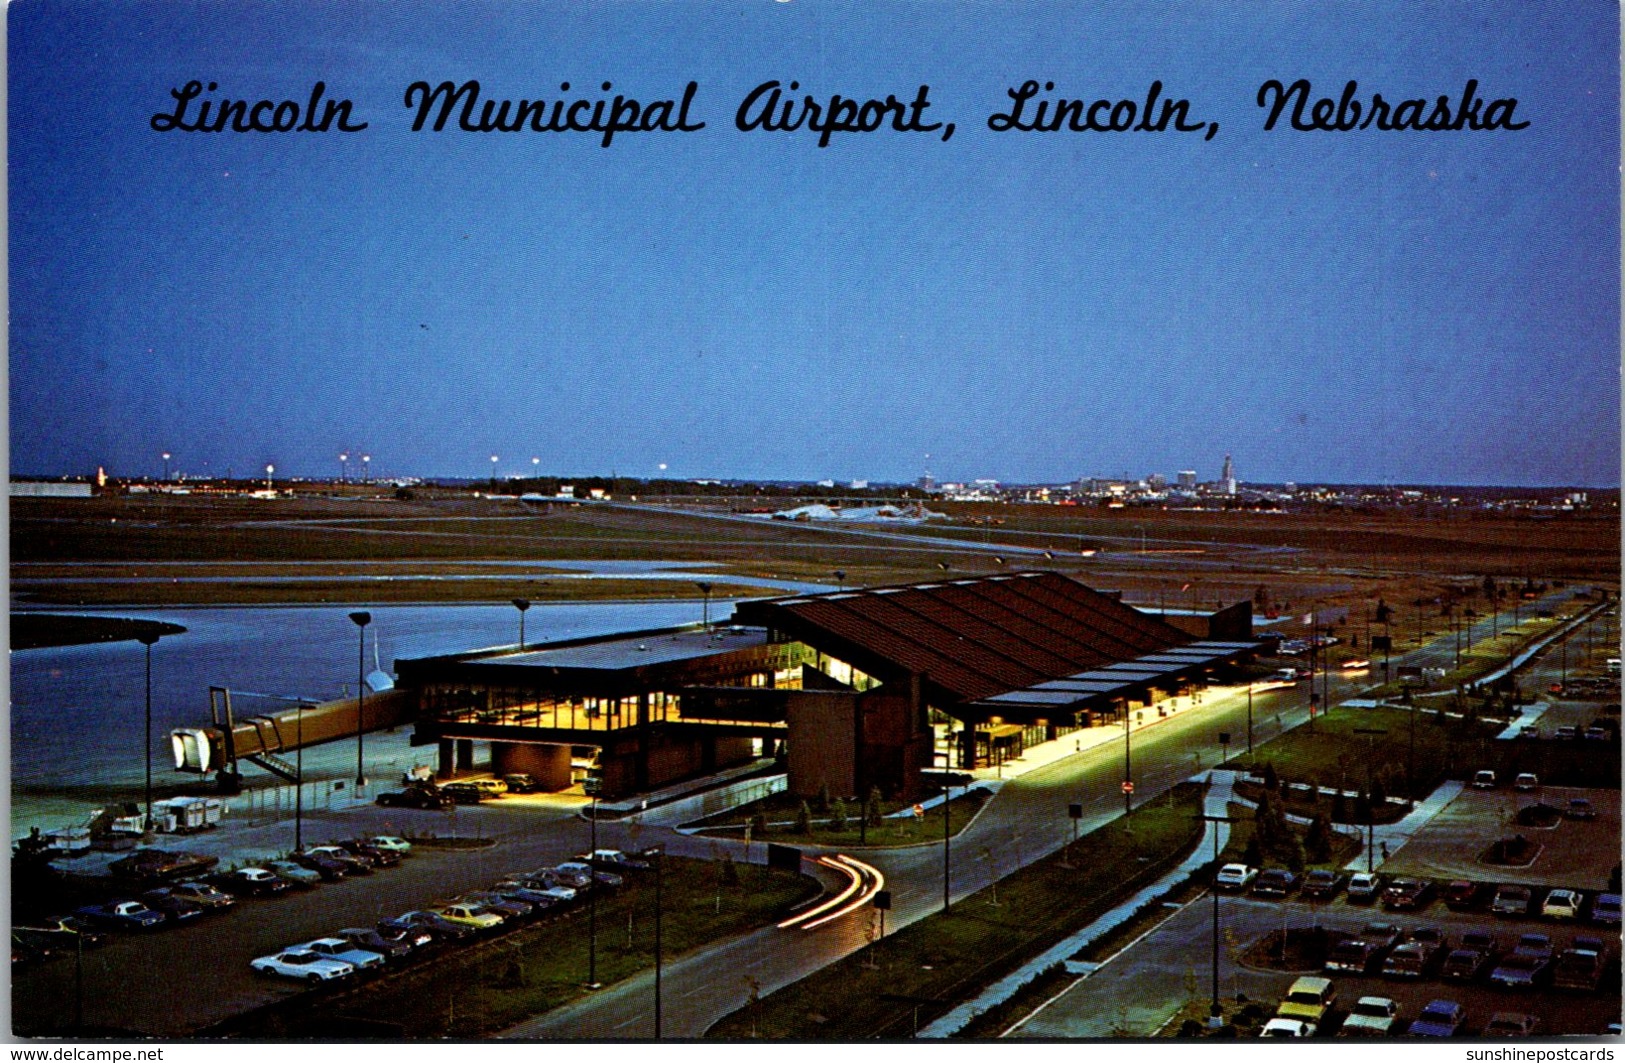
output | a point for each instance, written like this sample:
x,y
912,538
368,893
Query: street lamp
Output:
x,y
344,467
947,799
366,462
705,589
592,784
521,604
1370,811
299,771
1215,821
361,620
1128,763
1249,720
493,472
147,638
166,466
660,864
269,470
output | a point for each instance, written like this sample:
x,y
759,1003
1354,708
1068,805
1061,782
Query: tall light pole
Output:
x,y
166,466
269,471
493,472
147,638
521,604
366,468
361,620
1370,810
1249,720
299,771
705,589
592,785
1214,822
660,864
947,799
1128,763
344,467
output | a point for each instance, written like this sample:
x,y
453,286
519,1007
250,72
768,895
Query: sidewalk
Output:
x,y
1219,795
1389,839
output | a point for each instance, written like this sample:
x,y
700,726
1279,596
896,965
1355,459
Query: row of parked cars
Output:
x,y
1309,1006
426,794
1407,894
179,903
514,899
1478,955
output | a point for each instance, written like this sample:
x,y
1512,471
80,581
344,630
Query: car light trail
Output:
x,y
863,883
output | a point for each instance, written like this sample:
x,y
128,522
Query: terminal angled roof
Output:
x,y
971,638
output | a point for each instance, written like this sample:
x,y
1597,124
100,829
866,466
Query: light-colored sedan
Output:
x,y
469,915
1370,1017
1561,904
339,949
1235,877
390,843
1279,1027
304,965
303,877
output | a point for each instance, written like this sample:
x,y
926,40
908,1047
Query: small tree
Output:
x,y
1295,854
803,819
872,812
1253,854
838,815
1317,840
823,799
1271,780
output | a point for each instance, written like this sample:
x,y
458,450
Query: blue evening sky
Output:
x,y
1365,306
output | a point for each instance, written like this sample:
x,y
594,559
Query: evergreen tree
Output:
x,y
1295,855
1317,840
803,819
823,799
873,811
1271,780
838,816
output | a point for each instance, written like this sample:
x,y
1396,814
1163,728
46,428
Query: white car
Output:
x,y
1370,1016
1526,781
604,878
1561,904
1279,1027
339,949
304,965
1235,877
390,843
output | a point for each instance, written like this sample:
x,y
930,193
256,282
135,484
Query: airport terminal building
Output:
x,y
858,689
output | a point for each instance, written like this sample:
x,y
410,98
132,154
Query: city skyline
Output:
x,y
1360,307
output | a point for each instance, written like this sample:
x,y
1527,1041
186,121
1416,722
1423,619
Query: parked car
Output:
x,y
441,927
1274,882
509,908
1605,909
373,855
1527,965
1462,895
602,878
494,787
160,864
1561,904
1566,733
63,932
302,964
337,948
1579,808
415,797
1527,780
202,893
1322,885
1484,780
1364,887
1309,999
1441,1018
520,783
1580,965
464,793
251,882
122,915
1407,895
1464,964
1512,900
1287,1028
398,947
1597,734
615,860
518,891
1385,935
390,843
301,877
329,869
354,861
1413,959
1370,1017
1234,877
1511,1024
554,876
469,915
175,909
1351,956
